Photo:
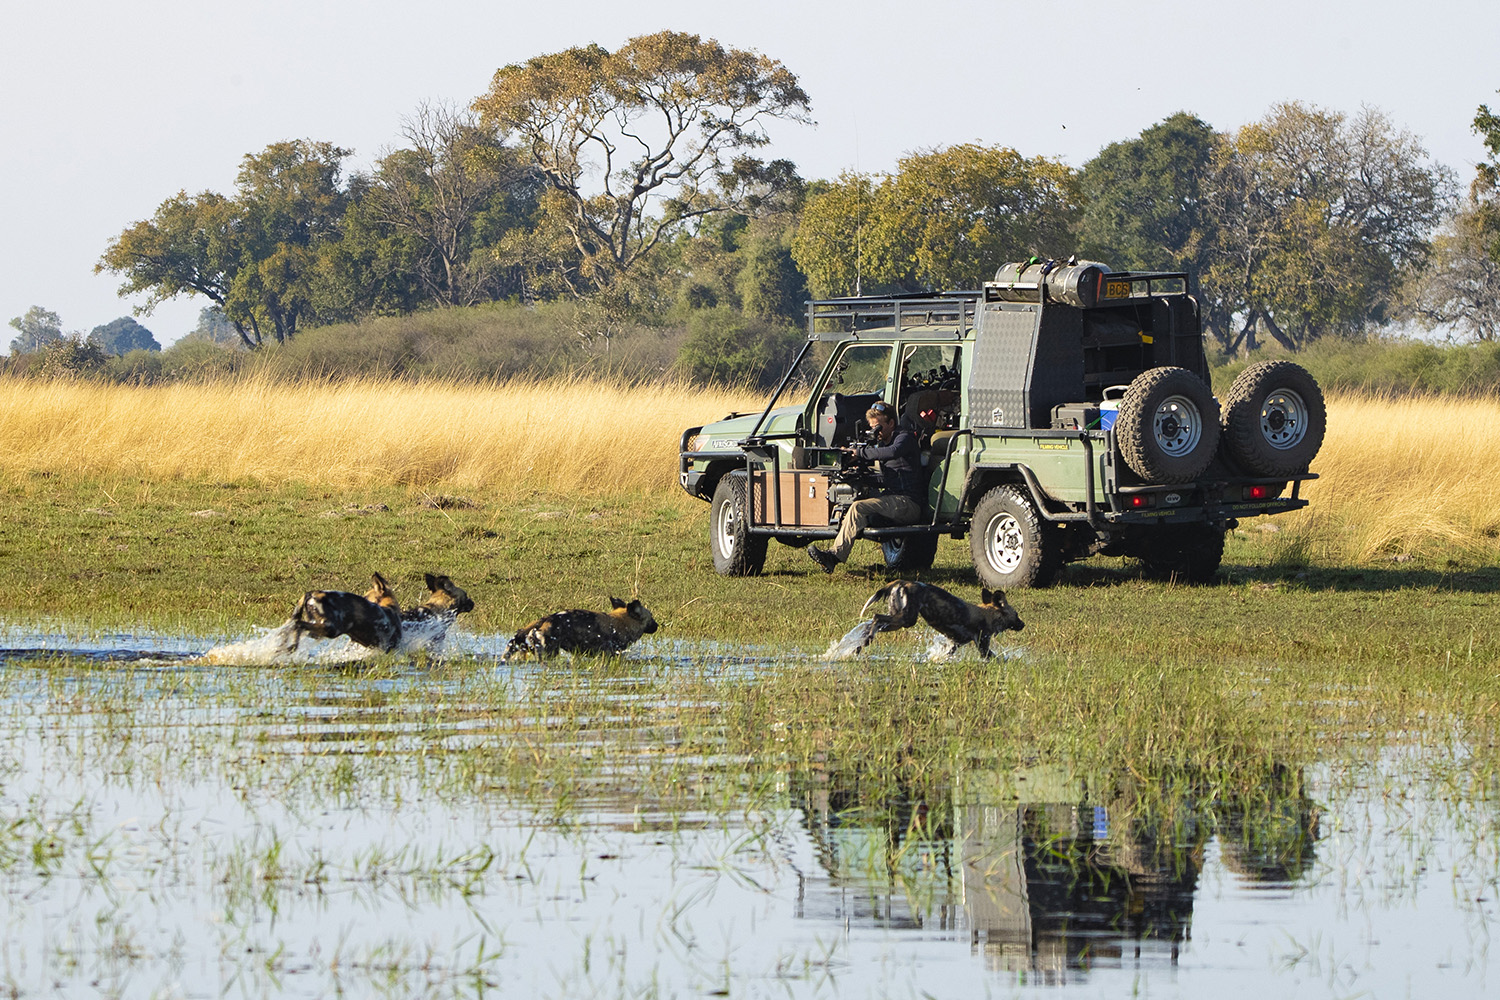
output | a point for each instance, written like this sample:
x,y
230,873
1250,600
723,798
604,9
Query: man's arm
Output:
x,y
904,444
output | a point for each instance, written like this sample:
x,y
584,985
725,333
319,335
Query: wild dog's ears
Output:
x,y
616,603
986,596
379,582
635,605
433,582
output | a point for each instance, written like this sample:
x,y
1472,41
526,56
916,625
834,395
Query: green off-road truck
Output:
x,y
1063,409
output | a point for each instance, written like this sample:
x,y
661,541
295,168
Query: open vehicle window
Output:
x,y
861,369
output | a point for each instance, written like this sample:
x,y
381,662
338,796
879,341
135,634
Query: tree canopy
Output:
x,y
947,219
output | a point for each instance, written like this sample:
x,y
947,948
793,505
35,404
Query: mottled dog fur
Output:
x,y
953,617
444,598
589,632
373,620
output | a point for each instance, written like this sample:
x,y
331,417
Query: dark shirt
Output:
x,y
900,464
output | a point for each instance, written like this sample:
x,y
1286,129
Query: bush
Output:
x,y
726,347
498,340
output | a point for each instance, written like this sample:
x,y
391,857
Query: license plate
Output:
x,y
1117,289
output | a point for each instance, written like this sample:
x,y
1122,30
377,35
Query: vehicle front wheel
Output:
x,y
735,550
1009,543
909,553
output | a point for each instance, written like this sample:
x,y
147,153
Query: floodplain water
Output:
x,y
198,818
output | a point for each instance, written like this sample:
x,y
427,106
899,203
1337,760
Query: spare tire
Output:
x,y
1274,419
1168,425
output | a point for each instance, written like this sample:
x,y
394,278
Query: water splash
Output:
x,y
275,647
850,645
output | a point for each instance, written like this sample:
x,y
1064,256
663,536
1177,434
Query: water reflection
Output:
x,y
1046,872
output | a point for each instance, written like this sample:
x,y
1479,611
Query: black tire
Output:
x,y
1010,543
735,550
1274,419
1168,425
1188,553
909,553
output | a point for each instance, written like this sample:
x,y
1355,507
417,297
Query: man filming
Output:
x,y
903,484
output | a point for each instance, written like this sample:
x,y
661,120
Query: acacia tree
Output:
x,y
254,256
189,246
631,142
1315,220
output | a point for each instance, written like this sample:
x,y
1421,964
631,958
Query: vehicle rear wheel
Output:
x,y
909,553
1188,552
735,550
1009,542
1168,425
1274,418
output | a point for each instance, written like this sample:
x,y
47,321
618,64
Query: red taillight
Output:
x,y
1140,500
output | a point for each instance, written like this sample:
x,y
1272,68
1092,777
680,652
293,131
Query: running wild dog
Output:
x,y
373,620
954,618
444,598
588,632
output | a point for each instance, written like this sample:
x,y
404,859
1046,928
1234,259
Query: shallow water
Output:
x,y
173,826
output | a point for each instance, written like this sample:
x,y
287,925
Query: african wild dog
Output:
x,y
444,598
588,632
956,619
373,620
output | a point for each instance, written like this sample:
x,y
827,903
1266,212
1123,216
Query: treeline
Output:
x,y
616,196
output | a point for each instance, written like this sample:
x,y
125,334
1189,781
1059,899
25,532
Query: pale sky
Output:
x,y
109,108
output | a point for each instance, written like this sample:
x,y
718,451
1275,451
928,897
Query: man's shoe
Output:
x,y
825,560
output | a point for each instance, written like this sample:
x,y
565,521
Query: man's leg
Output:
x,y
895,510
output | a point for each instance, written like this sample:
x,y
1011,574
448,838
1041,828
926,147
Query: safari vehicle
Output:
x,y
1064,411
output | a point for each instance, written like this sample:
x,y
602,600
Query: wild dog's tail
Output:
x,y
880,595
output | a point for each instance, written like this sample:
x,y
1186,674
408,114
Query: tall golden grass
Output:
x,y
1403,476
565,435
1398,476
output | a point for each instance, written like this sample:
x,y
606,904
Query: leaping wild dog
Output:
x,y
956,619
588,632
373,620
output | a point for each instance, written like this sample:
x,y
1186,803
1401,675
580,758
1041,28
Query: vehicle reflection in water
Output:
x,y
1048,875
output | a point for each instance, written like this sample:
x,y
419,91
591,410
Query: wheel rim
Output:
x,y
724,528
1006,545
1177,426
1283,419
